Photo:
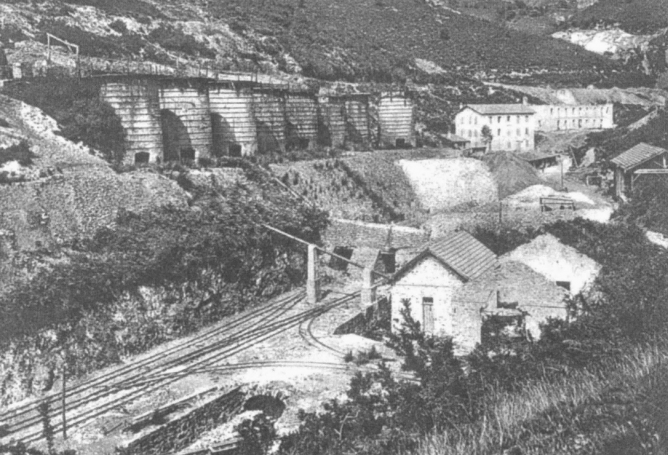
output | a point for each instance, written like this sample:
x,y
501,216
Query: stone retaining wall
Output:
x,y
187,428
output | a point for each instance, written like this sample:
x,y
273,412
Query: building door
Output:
x,y
428,315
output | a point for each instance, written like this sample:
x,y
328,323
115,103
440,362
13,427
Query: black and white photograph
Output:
x,y
333,227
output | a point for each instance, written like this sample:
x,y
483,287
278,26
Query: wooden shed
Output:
x,y
636,161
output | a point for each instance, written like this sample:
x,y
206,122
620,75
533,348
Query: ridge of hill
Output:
x,y
353,40
637,16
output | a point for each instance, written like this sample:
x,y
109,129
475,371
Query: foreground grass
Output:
x,y
619,408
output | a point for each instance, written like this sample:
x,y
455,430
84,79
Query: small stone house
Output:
x,y
513,290
561,264
432,280
630,164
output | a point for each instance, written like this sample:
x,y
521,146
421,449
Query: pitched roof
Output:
x,y
501,109
358,234
459,251
637,155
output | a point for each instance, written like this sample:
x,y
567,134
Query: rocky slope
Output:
x,y
373,40
66,192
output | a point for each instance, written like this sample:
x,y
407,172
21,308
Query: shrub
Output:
x,y
176,39
20,152
119,26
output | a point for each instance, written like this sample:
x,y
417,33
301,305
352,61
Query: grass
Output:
x,y
619,408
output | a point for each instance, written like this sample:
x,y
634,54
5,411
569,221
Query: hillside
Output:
x,y
638,16
367,40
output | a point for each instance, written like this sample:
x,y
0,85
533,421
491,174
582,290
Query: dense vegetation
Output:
x,y
76,105
633,16
163,273
613,142
587,386
380,40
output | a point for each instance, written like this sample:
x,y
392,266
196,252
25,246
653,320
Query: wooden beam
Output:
x,y
651,171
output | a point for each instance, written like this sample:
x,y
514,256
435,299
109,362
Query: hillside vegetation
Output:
x,y
637,16
364,40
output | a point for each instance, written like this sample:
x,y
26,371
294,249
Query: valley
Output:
x,y
308,226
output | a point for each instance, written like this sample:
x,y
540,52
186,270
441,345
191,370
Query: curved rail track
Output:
x,y
202,353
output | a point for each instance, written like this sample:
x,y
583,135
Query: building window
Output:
x,y
498,132
527,131
518,132
475,120
564,284
551,111
508,119
499,119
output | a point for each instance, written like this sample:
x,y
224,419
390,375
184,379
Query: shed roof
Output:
x,y
536,156
637,155
501,109
458,250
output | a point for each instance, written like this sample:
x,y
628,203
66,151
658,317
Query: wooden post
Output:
x,y
312,283
500,213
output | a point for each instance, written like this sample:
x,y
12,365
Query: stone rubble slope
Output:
x,y
76,192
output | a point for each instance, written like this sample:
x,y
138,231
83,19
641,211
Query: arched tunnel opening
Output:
x,y
271,406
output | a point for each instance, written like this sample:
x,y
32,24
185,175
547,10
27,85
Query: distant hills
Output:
x,y
633,16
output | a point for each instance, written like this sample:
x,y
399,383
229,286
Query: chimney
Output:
x,y
525,101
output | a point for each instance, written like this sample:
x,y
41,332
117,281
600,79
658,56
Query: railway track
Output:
x,y
205,352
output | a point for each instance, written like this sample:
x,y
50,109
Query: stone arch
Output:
x,y
271,405
176,141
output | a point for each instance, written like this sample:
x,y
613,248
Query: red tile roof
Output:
x,y
460,251
635,156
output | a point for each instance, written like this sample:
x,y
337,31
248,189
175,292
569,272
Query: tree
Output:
x,y
487,135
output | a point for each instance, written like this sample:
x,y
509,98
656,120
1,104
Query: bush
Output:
x,y
75,104
119,26
175,39
20,152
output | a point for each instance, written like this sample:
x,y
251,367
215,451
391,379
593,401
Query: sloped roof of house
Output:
x,y
501,109
459,251
637,155
359,234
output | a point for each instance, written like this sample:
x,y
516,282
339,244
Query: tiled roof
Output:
x,y
358,234
460,251
637,155
501,109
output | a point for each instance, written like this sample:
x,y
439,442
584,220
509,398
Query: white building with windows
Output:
x,y
564,117
512,126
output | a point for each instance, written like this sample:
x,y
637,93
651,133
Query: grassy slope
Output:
x,y
620,408
379,39
637,16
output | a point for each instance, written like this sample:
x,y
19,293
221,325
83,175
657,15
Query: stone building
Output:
x,y
433,279
640,159
511,126
566,117
561,264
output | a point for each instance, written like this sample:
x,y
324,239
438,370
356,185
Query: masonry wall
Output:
x,y
186,122
574,117
138,106
171,120
184,430
269,116
233,126
395,114
428,278
514,132
301,112
333,126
